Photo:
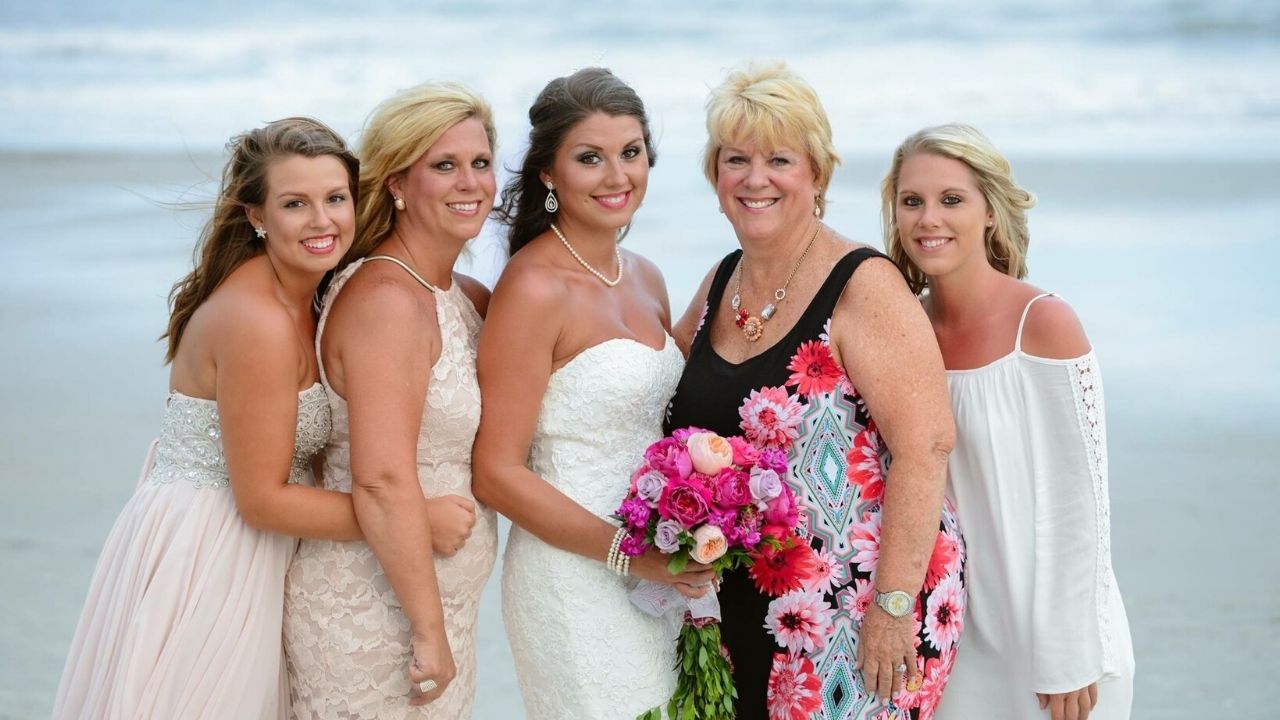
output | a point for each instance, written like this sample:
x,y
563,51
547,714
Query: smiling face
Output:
x,y
941,215
308,213
765,193
600,173
449,190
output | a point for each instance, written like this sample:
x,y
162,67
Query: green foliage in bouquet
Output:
x,y
704,679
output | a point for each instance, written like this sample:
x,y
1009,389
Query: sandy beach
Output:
x,y
94,241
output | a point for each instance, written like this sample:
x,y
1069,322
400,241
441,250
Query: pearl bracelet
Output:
x,y
618,561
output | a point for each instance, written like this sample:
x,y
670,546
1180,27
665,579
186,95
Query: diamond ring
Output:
x,y
901,668
427,686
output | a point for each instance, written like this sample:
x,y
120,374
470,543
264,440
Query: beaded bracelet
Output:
x,y
615,558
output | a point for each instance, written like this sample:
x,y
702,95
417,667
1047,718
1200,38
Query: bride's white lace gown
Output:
x,y
346,638
582,650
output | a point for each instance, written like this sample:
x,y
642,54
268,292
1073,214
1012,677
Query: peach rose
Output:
x,y
710,452
710,544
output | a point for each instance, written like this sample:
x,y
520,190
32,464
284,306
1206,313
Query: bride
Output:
x,y
576,366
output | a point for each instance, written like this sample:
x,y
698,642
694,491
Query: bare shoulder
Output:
x,y
244,319
475,291
644,268
381,294
1053,330
530,284
875,276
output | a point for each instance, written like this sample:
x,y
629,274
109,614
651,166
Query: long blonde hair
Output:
x,y
400,130
1006,241
228,238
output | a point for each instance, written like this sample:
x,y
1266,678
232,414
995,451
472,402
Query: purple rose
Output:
x,y
732,489
669,457
635,512
685,502
765,484
649,485
774,459
666,536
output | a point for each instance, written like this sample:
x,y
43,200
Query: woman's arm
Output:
x,y
383,332
515,363
887,346
1069,599
256,359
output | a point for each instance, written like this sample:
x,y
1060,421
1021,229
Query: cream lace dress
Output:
x,y
346,639
1029,480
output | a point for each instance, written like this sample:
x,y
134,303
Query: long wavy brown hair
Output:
x,y
228,238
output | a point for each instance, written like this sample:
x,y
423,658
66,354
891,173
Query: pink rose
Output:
x,y
782,510
669,457
710,452
745,455
733,489
684,502
709,544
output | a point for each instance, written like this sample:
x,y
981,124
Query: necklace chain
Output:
x,y
616,253
752,326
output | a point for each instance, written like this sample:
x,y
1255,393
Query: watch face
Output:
x,y
896,603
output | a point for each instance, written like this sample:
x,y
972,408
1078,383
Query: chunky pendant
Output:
x,y
768,311
753,328
740,318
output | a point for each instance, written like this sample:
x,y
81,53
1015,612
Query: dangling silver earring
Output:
x,y
399,203
551,204
260,232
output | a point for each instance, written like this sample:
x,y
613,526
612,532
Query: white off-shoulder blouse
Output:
x,y
1028,477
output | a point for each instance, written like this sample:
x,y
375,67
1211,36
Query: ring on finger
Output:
x,y
902,667
428,685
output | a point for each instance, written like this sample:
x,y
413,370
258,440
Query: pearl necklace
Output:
x,y
616,253
752,326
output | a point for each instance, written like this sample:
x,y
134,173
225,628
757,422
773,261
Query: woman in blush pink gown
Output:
x,y
183,615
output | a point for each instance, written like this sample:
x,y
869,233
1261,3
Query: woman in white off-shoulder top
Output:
x,y
1046,632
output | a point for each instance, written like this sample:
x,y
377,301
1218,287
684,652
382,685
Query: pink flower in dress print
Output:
x,y
828,574
865,466
795,690
944,614
856,602
771,417
944,561
800,621
866,542
813,370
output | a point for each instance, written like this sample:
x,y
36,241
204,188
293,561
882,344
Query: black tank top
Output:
x,y
793,396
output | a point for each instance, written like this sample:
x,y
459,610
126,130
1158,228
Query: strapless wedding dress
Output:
x,y
582,650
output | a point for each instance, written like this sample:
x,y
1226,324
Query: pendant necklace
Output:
x,y
616,253
752,326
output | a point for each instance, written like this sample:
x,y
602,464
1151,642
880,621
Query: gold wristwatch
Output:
x,y
897,603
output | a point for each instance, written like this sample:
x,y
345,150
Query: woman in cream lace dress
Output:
x,y
386,629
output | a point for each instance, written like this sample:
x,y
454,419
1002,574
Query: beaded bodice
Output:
x,y
190,444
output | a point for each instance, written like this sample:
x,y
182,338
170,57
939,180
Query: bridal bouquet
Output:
x,y
718,501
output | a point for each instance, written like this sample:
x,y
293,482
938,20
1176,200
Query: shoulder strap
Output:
x,y
408,269
833,287
721,280
1017,343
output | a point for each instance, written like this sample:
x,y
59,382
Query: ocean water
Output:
x,y
1148,129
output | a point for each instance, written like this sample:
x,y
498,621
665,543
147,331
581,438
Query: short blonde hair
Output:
x,y
400,130
1006,241
773,107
